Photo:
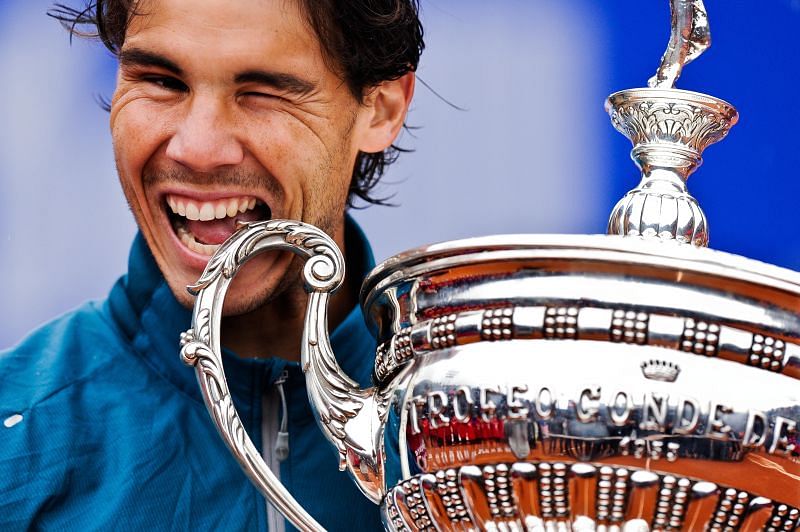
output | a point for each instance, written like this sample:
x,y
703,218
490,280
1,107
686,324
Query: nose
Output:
x,y
205,138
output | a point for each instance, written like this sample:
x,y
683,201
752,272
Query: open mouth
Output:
x,y
203,225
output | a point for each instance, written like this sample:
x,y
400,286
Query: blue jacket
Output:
x,y
114,433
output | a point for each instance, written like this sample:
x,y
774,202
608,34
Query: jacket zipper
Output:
x,y
275,441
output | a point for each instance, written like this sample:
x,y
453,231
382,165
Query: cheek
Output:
x,y
294,154
327,188
137,132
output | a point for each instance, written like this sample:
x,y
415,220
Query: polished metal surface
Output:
x,y
631,381
595,353
200,345
558,496
669,129
690,37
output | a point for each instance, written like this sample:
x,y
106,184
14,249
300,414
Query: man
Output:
x,y
223,112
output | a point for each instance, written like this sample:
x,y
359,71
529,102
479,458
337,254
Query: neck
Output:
x,y
276,328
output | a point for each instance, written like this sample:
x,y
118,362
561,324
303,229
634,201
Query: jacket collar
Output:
x,y
145,309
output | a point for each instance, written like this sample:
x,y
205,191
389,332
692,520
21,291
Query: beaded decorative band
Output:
x,y
587,323
526,496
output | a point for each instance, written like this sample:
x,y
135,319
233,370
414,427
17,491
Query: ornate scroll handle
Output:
x,y
200,346
690,37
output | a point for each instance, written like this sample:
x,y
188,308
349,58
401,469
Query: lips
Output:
x,y
203,225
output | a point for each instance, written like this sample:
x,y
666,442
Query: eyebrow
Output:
x,y
139,57
278,80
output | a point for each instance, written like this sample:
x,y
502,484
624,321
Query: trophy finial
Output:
x,y
669,129
689,38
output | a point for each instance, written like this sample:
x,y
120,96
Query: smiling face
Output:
x,y
227,111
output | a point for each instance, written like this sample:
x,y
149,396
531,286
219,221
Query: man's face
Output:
x,y
226,111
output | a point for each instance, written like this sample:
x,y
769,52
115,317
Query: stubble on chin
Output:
x,y
287,290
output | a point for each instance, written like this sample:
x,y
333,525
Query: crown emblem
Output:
x,y
659,370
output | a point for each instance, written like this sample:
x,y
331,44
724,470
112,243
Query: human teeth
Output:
x,y
233,207
189,240
206,212
210,210
192,212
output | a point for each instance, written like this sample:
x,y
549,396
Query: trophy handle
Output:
x,y
200,345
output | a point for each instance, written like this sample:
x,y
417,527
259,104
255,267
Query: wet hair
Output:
x,y
365,41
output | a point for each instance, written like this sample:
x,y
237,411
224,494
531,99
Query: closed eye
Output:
x,y
268,95
167,82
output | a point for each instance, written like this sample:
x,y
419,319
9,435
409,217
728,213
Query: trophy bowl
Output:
x,y
590,380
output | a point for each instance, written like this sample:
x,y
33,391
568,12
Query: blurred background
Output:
x,y
532,150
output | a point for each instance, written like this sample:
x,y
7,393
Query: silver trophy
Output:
x,y
637,381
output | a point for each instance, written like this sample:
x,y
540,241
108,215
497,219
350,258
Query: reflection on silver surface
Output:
x,y
689,38
669,129
590,366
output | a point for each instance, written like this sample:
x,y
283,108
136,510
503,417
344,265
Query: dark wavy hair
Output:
x,y
366,42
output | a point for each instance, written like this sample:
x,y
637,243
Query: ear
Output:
x,y
386,107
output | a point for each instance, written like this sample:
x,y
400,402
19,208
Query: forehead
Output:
x,y
226,34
